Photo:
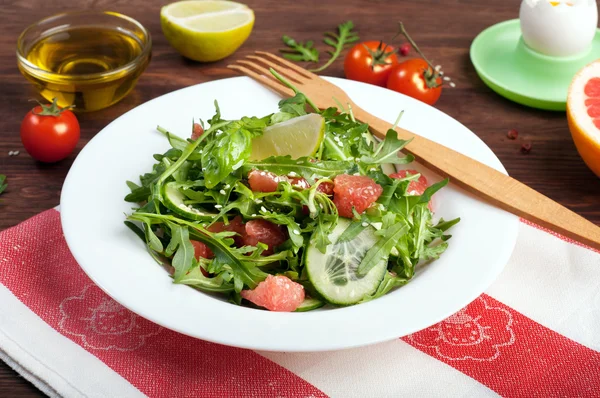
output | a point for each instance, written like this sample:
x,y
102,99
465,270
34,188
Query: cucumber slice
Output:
x,y
333,274
310,304
173,199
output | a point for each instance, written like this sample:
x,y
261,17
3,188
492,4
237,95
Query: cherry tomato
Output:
x,y
416,79
370,62
49,133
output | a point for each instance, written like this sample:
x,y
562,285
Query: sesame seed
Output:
x,y
262,173
10,153
227,186
340,143
254,215
438,67
299,162
356,174
222,192
292,174
452,84
218,206
365,224
441,73
296,232
446,78
263,209
258,201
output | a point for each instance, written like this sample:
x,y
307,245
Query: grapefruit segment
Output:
x,y
592,87
276,293
358,192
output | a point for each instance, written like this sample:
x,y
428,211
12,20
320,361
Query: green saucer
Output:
x,y
513,70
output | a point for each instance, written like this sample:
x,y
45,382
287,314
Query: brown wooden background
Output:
x,y
444,29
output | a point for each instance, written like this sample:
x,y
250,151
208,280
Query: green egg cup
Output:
x,y
513,70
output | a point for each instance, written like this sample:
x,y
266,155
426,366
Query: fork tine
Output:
x,y
282,70
265,80
261,69
301,71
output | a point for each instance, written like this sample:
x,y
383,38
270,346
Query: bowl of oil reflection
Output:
x,y
89,59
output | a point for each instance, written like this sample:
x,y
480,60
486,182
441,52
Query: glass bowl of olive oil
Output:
x,y
86,59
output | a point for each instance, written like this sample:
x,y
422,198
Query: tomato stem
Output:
x,y
430,75
51,110
379,56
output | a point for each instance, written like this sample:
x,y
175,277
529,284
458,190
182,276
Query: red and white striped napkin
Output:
x,y
534,333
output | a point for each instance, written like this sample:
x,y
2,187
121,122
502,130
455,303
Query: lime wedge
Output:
x,y
297,137
206,30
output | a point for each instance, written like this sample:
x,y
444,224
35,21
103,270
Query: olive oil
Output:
x,y
90,67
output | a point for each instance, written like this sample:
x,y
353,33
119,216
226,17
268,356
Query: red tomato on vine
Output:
x,y
370,62
49,133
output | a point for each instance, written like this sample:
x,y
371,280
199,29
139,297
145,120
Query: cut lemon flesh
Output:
x,y
206,30
297,137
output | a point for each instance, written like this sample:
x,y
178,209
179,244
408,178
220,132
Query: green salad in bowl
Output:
x,y
288,212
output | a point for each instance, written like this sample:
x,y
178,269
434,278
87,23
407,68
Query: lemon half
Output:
x,y
206,30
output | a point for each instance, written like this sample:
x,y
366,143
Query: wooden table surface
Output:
x,y
444,29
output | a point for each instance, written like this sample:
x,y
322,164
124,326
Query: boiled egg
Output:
x,y
559,28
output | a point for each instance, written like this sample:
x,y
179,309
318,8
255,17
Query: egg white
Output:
x,y
562,30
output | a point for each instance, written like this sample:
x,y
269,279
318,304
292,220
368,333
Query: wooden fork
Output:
x,y
469,174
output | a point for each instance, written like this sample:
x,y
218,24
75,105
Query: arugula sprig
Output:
x,y
3,183
306,52
338,41
299,51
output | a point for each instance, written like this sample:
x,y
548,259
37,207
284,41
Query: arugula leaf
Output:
x,y
388,151
138,195
405,265
153,242
338,41
323,227
433,251
445,225
196,278
171,154
398,185
299,51
295,105
3,185
182,247
137,230
389,282
381,250
150,178
353,230
224,154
